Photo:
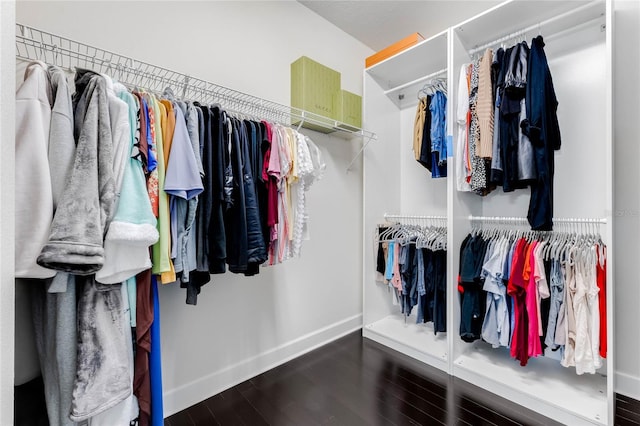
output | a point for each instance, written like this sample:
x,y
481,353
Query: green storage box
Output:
x,y
314,88
349,110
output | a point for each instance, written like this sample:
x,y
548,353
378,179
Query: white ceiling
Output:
x,y
381,23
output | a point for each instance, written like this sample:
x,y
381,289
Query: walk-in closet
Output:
x,y
314,212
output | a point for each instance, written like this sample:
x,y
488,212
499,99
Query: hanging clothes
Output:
x,y
33,176
601,277
463,170
55,328
542,128
556,311
271,182
426,154
516,273
126,411
479,182
438,108
304,182
240,218
164,131
430,146
517,162
183,184
484,106
155,361
418,127
263,150
504,146
496,327
415,268
76,241
133,228
140,189
53,302
144,319
103,363
497,77
470,284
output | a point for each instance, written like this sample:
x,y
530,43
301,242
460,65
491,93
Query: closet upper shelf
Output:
x,y
34,44
533,17
402,75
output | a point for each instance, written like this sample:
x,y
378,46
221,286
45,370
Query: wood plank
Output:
x,y
485,413
244,385
468,417
628,400
504,407
182,418
621,421
628,408
222,410
629,413
271,414
243,409
201,415
275,411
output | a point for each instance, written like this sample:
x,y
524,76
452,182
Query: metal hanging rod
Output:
x,y
33,44
538,26
413,217
523,220
416,81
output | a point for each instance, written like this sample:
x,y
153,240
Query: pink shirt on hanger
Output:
x,y
542,287
531,301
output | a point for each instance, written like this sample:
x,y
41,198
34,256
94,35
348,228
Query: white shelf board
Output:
x,y
543,385
416,340
420,60
499,21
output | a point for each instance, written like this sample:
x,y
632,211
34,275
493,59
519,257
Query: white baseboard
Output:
x,y
189,394
628,385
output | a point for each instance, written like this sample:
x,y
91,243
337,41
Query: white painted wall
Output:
x,y
7,137
626,116
241,325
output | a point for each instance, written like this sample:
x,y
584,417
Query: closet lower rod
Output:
x,y
523,220
409,217
533,27
417,80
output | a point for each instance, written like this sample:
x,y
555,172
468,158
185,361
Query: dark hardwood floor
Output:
x,y
354,381
627,411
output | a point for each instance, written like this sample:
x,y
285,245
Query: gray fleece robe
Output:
x,y
87,205
103,377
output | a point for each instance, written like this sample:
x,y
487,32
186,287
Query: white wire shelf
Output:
x,y
34,44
